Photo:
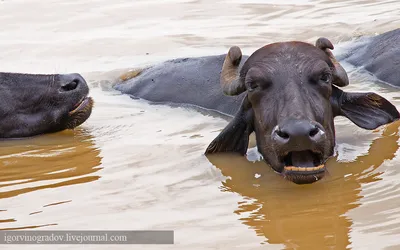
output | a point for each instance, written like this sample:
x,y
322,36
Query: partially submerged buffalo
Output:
x,y
37,104
287,93
380,55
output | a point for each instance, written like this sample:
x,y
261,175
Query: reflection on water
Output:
x,y
49,161
310,216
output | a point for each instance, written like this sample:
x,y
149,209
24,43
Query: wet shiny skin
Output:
x,y
137,166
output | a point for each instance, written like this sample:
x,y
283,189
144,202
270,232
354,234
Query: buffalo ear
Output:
x,y
340,77
366,110
235,136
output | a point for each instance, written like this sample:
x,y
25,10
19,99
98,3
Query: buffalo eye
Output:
x,y
251,85
256,78
326,78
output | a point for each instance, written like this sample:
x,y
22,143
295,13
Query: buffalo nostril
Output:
x,y
314,131
282,134
71,85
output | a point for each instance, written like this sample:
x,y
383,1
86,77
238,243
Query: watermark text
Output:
x,y
86,237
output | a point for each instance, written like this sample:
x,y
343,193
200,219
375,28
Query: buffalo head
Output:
x,y
33,104
290,104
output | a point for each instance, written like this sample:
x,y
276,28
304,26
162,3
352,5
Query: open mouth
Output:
x,y
303,167
83,104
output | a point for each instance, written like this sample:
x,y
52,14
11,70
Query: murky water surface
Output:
x,y
136,166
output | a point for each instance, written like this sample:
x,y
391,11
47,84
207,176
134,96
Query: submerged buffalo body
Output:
x,y
379,55
37,104
192,81
286,93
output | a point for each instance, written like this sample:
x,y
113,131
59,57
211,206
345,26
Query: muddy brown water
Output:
x,y
137,166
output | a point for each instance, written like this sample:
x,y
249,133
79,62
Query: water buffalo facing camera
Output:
x,y
37,104
290,103
287,93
